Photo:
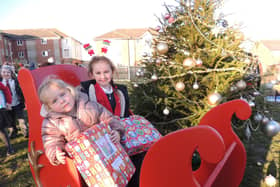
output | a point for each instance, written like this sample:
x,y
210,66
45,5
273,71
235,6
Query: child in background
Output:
x,y
67,113
5,118
113,97
18,103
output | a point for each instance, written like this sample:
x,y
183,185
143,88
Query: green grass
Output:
x,y
14,169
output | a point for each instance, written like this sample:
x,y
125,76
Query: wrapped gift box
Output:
x,y
100,162
139,135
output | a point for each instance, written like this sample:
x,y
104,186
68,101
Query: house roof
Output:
x,y
273,45
125,33
33,33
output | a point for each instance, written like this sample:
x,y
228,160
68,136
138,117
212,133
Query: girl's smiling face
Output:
x,y
6,73
60,99
102,73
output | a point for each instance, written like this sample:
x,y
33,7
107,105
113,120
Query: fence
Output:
x,y
126,73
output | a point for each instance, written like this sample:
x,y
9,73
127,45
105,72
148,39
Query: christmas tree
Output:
x,y
198,61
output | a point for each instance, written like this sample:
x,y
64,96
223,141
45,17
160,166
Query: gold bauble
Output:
x,y
214,98
189,62
180,86
162,47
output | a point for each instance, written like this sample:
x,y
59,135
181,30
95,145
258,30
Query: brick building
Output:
x,y
35,46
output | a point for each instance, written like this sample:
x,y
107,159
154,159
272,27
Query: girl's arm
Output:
x,y
52,140
100,113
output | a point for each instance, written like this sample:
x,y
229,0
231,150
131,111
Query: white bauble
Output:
x,y
166,111
162,47
180,86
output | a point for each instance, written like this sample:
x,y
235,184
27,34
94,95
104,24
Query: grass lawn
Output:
x,y
14,170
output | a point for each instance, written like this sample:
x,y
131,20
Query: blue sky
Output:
x,y
86,19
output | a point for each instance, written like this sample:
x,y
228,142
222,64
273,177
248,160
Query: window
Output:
x,y
21,54
45,53
66,52
44,41
19,42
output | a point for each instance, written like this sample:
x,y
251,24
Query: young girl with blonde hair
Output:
x,y
67,113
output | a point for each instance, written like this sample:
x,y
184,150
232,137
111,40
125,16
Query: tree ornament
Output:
x,y
251,104
158,28
135,85
271,128
258,117
189,62
199,62
233,88
265,120
154,77
171,20
241,84
167,16
166,111
214,98
162,47
158,60
180,86
248,132
256,93
270,181
195,86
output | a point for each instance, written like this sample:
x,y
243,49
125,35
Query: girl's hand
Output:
x,y
60,155
115,136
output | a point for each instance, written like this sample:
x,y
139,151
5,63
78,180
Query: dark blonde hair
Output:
x,y
49,81
97,59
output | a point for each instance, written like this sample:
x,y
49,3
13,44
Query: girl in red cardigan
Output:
x,y
5,118
114,97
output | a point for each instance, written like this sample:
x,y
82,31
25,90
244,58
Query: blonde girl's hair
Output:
x,y
97,59
53,80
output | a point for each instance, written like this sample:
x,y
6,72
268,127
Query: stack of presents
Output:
x,y
102,162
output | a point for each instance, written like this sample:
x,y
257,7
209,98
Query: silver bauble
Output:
x,y
162,47
265,120
258,117
271,128
195,86
154,77
166,111
251,104
241,84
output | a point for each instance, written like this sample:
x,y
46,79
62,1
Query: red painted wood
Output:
x,y
223,156
62,175
220,119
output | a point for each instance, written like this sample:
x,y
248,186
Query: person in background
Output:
x,y
5,118
114,97
18,103
67,113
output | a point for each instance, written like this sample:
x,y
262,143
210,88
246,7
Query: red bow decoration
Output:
x,y
104,49
87,46
107,42
91,52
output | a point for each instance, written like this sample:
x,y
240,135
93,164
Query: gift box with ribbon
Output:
x,y
139,135
100,162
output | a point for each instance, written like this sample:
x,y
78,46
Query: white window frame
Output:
x,y
21,54
45,53
19,42
44,41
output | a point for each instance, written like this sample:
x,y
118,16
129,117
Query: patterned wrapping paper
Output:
x,y
139,136
100,162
